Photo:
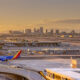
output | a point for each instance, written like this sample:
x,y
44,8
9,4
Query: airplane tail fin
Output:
x,y
17,55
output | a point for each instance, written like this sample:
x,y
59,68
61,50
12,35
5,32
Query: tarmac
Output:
x,y
29,68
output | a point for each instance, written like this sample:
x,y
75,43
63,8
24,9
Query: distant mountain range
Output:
x,y
72,21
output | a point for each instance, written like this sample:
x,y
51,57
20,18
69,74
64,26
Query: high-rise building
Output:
x,y
28,31
34,30
46,31
41,30
73,32
57,31
51,31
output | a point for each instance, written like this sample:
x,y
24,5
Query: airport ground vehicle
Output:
x,y
62,74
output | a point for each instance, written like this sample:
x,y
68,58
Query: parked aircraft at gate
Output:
x,y
5,58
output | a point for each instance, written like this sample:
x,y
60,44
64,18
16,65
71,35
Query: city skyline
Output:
x,y
56,14
40,30
62,25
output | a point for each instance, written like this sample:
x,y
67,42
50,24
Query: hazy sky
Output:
x,y
17,13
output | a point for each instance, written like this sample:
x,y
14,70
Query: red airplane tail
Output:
x,y
17,55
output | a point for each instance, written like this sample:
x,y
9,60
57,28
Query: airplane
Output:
x,y
6,58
